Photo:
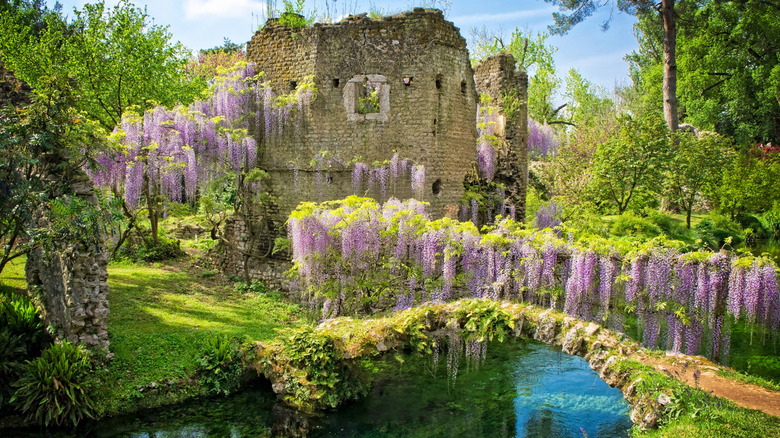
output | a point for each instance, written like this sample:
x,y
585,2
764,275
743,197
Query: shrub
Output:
x,y
220,364
22,337
716,231
53,388
19,315
752,222
771,220
629,224
668,225
148,252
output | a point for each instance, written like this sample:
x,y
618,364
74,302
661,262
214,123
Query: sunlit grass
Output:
x,y
12,278
160,316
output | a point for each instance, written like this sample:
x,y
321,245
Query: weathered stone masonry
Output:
x,y
427,113
498,77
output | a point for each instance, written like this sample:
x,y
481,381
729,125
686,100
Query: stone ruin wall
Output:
x,y
432,126
497,76
73,282
430,121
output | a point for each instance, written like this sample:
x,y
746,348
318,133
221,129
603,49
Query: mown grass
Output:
x,y
160,316
12,279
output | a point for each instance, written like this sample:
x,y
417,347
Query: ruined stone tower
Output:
x,y
425,112
427,102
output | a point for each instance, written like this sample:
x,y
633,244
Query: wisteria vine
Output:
x,y
173,152
356,255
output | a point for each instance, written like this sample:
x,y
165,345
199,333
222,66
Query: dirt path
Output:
x,y
742,394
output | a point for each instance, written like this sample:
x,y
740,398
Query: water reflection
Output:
x,y
522,389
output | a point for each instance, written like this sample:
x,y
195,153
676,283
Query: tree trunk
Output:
x,y
670,65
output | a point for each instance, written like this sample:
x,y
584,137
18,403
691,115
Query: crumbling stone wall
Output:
x,y
498,77
428,118
427,113
71,284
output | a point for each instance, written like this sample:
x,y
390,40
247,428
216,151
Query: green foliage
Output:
x,y
629,224
695,169
220,364
22,337
749,183
771,220
716,231
327,377
292,16
532,54
369,103
53,389
483,320
117,57
627,169
149,251
44,139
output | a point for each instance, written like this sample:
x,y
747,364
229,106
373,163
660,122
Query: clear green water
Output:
x,y
522,389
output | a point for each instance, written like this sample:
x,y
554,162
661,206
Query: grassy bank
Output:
x,y
160,317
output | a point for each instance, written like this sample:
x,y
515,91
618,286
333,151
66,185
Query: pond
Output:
x,y
521,389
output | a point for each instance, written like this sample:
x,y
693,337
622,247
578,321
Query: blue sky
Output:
x,y
598,55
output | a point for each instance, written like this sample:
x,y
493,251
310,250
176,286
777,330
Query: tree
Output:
x,y
696,168
729,79
729,54
630,164
533,55
750,181
585,101
572,12
39,141
117,58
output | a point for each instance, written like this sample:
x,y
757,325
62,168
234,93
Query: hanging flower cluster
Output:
x,y
385,179
173,152
487,123
362,256
542,140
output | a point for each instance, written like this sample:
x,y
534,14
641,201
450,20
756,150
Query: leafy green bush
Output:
x,y
22,337
629,224
754,224
330,377
715,231
53,388
220,364
147,251
771,220
668,225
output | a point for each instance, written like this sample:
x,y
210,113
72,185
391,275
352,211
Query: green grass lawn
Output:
x,y
12,278
160,316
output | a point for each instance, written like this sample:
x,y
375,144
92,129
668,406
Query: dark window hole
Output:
x,y
408,81
336,83
438,82
463,87
293,85
437,187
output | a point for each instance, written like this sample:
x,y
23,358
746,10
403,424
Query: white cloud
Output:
x,y
503,16
196,9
